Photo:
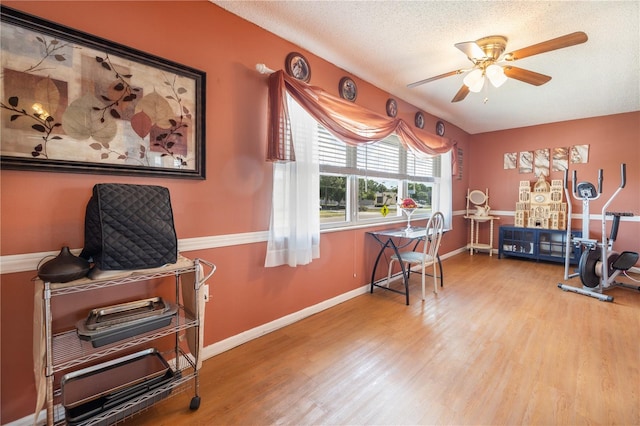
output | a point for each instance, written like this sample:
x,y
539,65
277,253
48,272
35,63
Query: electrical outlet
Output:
x,y
205,290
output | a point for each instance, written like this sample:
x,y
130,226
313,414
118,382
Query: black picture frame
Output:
x,y
392,108
348,89
419,120
81,104
297,67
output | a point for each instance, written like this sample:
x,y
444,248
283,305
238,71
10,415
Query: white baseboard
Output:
x,y
246,336
239,339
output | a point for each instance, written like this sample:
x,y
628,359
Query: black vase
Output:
x,y
63,268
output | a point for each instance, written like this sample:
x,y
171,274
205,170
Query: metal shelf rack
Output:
x,y
64,351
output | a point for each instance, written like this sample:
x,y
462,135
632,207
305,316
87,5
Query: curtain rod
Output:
x,y
263,69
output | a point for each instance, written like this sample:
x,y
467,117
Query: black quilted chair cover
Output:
x,y
129,227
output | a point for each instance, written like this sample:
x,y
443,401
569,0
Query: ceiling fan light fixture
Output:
x,y
474,80
495,74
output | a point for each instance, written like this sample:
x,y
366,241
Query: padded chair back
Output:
x,y
435,229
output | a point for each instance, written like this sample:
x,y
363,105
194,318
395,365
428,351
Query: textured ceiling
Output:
x,y
393,43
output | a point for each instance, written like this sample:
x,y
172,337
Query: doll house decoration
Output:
x,y
541,206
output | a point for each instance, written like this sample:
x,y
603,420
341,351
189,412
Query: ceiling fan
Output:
x,y
487,56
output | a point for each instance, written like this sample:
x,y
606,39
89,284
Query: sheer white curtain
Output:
x,y
294,231
443,201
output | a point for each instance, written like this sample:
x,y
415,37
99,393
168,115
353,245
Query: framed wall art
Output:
x,y
525,162
460,163
541,162
579,154
509,161
560,159
73,102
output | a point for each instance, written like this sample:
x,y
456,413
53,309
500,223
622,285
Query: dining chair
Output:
x,y
428,256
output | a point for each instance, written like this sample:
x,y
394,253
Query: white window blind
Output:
x,y
384,159
332,152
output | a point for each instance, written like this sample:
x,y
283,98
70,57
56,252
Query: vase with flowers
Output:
x,y
408,206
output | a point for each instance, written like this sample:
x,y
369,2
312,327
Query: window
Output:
x,y
356,183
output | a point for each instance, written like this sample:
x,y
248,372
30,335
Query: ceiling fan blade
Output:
x,y
437,77
527,76
547,46
462,93
471,49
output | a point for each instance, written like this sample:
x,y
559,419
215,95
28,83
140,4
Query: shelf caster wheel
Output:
x,y
195,403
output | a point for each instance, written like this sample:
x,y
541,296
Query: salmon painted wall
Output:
x,y
612,140
43,211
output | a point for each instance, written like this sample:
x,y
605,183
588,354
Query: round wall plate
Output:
x,y
440,128
392,107
348,89
297,67
419,120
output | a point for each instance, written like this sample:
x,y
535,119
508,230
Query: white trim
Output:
x,y
29,261
246,336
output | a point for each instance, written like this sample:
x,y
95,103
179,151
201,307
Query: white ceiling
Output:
x,y
393,43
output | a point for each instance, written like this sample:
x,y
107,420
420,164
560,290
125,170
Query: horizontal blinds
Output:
x,y
421,166
383,156
332,152
386,158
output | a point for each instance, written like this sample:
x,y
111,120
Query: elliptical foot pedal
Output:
x,y
625,261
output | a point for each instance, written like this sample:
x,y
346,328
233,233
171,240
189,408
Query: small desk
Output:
x,y
406,239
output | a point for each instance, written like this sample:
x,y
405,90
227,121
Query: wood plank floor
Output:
x,y
499,344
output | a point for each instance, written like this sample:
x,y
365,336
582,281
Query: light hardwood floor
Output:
x,y
499,344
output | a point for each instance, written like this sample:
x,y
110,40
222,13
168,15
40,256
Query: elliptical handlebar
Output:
x,y
605,245
623,182
600,181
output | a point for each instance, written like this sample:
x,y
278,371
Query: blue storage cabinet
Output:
x,y
536,243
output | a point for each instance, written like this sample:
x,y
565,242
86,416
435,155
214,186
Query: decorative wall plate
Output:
x,y
348,89
297,66
392,107
440,128
419,120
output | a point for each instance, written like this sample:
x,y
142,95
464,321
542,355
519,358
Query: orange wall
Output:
x,y
43,211
612,140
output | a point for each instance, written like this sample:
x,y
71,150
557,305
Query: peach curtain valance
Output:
x,y
347,121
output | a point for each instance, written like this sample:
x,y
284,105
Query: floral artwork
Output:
x,y
72,102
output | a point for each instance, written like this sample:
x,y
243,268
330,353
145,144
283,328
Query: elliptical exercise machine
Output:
x,y
599,264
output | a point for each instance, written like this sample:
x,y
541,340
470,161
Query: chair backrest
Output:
x,y
435,229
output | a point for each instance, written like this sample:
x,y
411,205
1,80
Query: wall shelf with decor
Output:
x,y
537,244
